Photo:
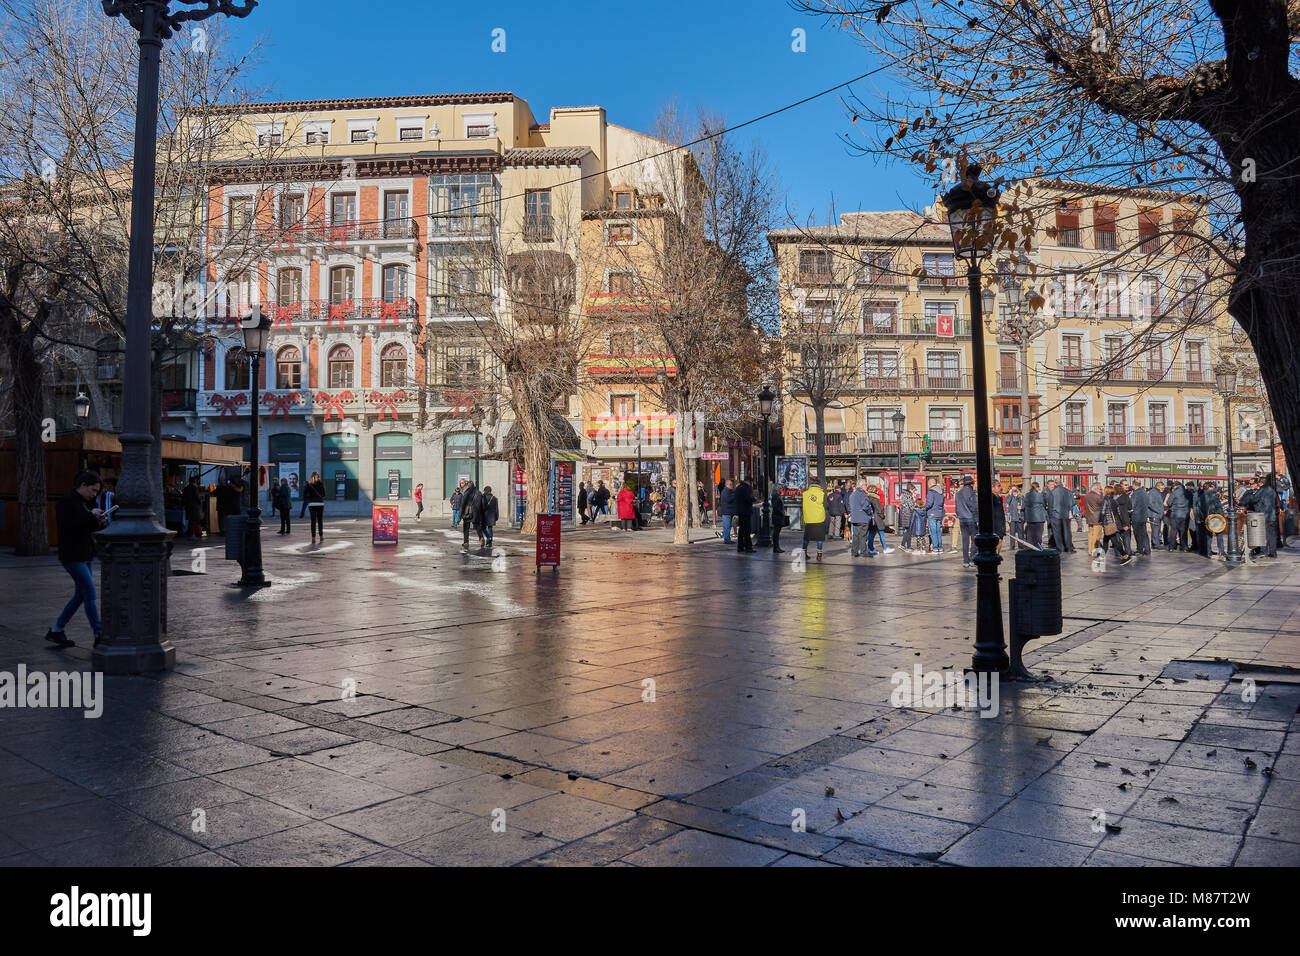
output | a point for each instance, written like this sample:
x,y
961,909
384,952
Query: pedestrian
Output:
x,y
744,510
457,499
702,497
1179,513
282,501
878,523
599,501
193,505
836,507
727,508
779,519
1140,499
1159,520
1110,525
109,494
1124,515
488,513
906,505
1214,506
468,510
1060,505
419,500
582,502
1201,534
1035,515
968,517
920,533
314,494
1015,514
1078,517
76,521
1264,502
813,501
1092,512
861,514
626,508
999,518
934,507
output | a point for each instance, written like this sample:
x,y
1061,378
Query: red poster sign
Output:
x,y
383,524
945,326
548,540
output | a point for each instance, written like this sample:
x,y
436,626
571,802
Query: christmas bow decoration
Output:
x,y
392,310
285,314
227,403
279,404
334,403
460,402
387,403
340,311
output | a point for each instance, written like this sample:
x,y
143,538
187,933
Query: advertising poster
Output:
x,y
340,485
394,484
548,540
292,471
792,474
562,489
383,524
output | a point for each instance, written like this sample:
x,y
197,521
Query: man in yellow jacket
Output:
x,y
814,518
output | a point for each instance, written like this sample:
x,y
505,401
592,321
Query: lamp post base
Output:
x,y
990,646
135,554
764,539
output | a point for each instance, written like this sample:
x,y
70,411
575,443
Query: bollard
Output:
x,y
1034,599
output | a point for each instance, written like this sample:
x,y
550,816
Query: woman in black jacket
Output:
x,y
488,514
76,521
314,494
1110,523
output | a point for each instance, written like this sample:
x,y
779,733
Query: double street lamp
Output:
x,y
1225,379
256,328
972,218
135,549
899,420
766,399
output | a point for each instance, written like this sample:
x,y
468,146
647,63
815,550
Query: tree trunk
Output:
x,y
28,406
537,467
819,414
682,507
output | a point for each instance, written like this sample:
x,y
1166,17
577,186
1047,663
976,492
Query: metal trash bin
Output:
x,y
1256,530
1034,599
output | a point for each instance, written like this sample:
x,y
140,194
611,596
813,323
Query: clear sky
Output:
x,y
732,56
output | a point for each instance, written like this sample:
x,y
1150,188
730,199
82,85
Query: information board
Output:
x,y
548,540
562,489
383,524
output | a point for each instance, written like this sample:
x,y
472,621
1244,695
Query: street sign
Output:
x,y
548,541
715,455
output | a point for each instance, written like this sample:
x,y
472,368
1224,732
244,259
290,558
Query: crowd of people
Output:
x,y
476,510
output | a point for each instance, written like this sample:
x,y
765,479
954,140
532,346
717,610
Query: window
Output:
x,y
625,199
288,286
361,132
394,283
942,369
880,369
1008,370
1108,298
392,366
1117,423
1114,363
241,213
397,205
1072,355
1067,223
537,215
408,134
622,282
462,366
238,291
342,284
317,137
622,406
620,234
288,368
1103,226
1155,364
269,139
819,312
1157,424
815,266
880,429
1183,224
291,210
462,204
937,264
1195,361
622,342
340,367
1149,230
1196,424
945,429
877,267
478,131
936,310
237,369
455,281
1189,296
343,209
1074,423
880,318
1149,293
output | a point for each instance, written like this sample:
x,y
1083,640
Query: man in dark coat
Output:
x,y
469,504
582,502
1180,509
1141,516
77,520
1156,511
744,505
1124,516
1035,515
1060,504
1265,501
1200,506
778,519
836,508
934,507
967,503
727,507
1092,514
1015,511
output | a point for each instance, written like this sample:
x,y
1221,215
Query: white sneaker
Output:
x,y
889,551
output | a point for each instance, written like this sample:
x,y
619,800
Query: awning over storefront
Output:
x,y
559,436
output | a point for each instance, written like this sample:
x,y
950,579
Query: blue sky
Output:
x,y
734,57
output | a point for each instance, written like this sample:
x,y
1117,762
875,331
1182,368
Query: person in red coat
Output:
x,y
627,508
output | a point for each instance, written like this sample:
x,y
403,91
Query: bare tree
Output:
x,y
1196,98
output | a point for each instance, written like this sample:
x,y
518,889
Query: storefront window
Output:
x,y
392,466
339,454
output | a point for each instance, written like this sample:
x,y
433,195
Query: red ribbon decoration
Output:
x,y
285,314
339,311
227,403
392,310
461,402
340,233
387,403
334,403
279,404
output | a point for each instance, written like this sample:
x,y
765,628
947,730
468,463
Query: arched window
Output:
x,y
237,368
394,283
340,363
392,366
342,284
288,368
288,287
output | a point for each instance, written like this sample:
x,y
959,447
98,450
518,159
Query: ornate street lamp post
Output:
x,y
766,398
256,327
135,548
899,420
1225,379
972,215
638,429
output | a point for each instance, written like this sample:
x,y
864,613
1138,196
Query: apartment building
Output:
x,y
378,235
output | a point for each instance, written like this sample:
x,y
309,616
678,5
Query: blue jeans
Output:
x,y
455,517
726,528
84,579
936,533
871,536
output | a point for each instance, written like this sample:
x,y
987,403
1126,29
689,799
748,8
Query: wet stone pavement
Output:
x,y
650,705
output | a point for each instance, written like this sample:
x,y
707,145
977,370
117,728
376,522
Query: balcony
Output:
x,y
918,382
538,228
461,226
881,443
288,237
943,282
1136,438
328,402
1010,383
913,326
1137,375
313,311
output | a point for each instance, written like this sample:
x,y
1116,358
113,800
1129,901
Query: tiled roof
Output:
x,y
364,103
893,226
545,155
